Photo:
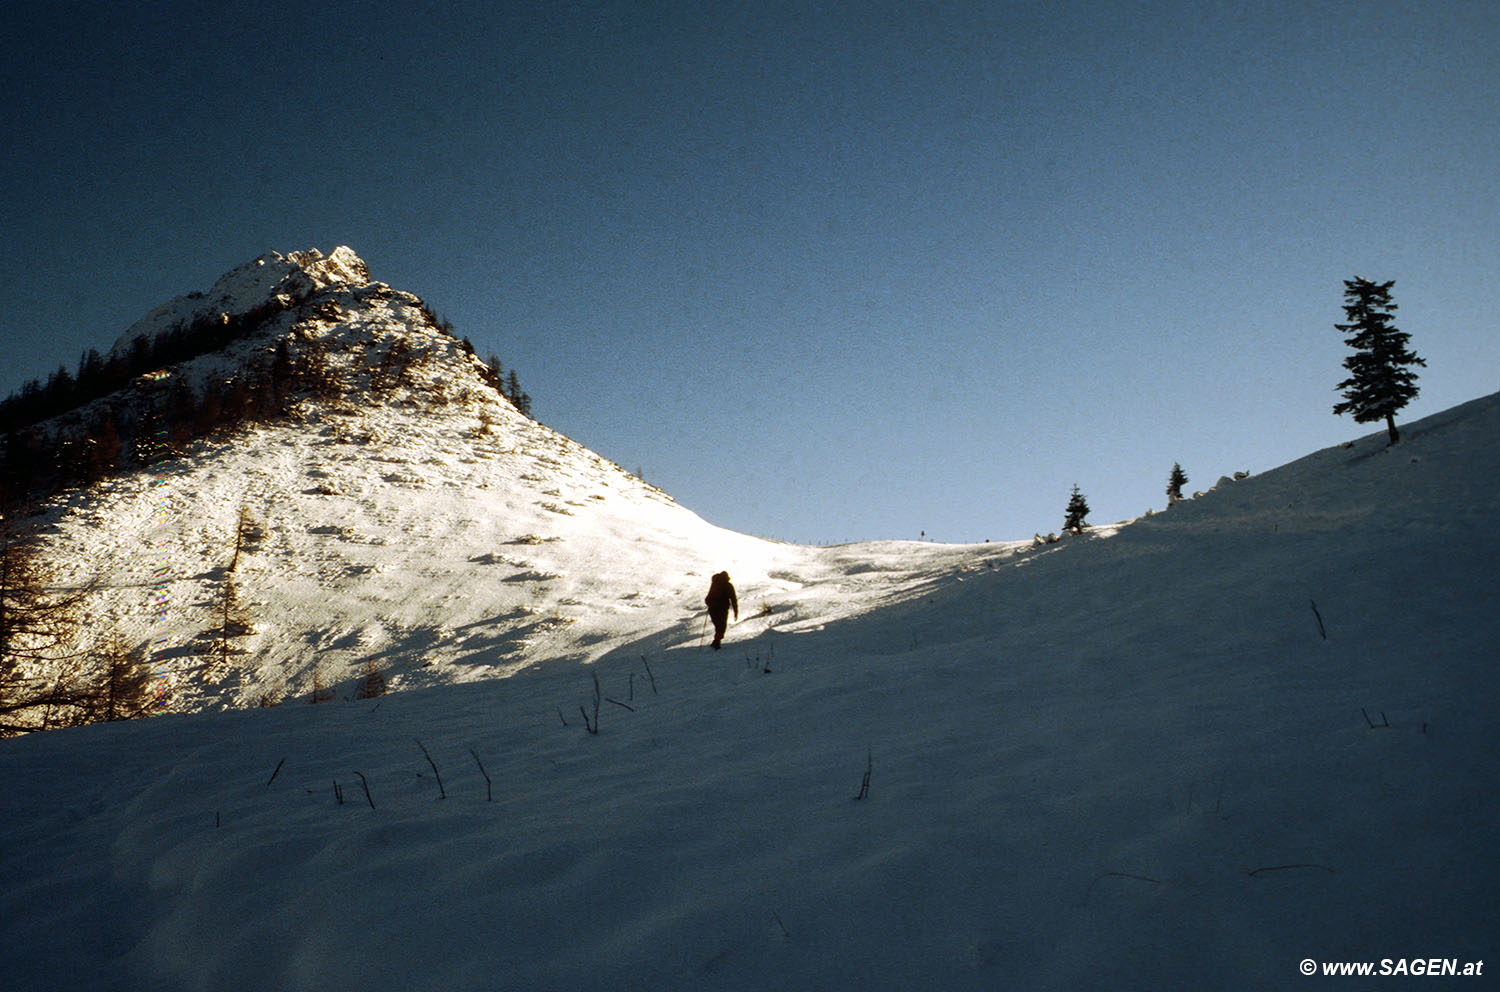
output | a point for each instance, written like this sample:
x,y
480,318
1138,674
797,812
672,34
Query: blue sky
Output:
x,y
823,271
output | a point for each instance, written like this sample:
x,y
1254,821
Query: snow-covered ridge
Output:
x,y
271,277
413,521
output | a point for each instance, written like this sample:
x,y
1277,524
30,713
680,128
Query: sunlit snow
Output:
x,y
1187,751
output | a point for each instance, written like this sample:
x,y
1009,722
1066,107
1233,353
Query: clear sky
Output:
x,y
823,271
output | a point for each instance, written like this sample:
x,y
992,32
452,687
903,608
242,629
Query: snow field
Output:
x,y
1185,751
1125,761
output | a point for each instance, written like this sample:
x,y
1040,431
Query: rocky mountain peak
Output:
x,y
269,279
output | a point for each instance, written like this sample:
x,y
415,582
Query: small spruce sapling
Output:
x,y
1175,482
1078,510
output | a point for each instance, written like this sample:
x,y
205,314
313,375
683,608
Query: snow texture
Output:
x,y
1186,751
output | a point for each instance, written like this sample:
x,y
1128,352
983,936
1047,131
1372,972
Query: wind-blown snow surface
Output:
x,y
1130,760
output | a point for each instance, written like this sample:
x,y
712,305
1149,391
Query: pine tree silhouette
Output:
x,y
1380,380
1078,509
1175,482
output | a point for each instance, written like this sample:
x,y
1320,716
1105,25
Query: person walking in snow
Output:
x,y
720,600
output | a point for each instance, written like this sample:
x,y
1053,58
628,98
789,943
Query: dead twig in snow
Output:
x,y
367,789
864,785
442,793
1257,871
1319,616
785,933
488,787
592,726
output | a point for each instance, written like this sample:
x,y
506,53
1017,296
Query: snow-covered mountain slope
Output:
x,y
410,523
271,277
1213,748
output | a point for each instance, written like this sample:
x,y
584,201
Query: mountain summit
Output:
x,y
271,278
307,488
378,515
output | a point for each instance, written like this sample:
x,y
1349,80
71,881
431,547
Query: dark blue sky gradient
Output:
x,y
822,271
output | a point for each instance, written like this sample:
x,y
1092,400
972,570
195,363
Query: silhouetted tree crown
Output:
x,y
1078,509
1175,482
1381,380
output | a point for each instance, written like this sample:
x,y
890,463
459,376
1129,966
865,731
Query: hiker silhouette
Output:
x,y
720,600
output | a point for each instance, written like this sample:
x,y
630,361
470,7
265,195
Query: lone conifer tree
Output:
x,y
1078,509
1175,482
1380,381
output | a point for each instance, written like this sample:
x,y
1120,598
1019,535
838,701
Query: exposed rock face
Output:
x,y
272,277
342,266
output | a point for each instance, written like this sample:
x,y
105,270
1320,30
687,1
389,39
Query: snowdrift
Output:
x,y
1204,749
